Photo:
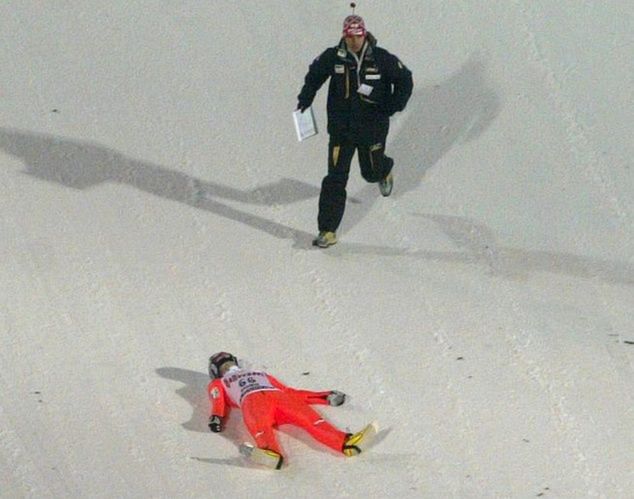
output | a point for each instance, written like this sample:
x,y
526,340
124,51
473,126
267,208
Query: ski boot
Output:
x,y
264,457
356,443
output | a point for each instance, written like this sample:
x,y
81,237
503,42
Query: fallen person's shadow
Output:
x,y
194,391
238,462
437,117
82,165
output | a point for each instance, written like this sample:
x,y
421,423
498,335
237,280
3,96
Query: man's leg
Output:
x,y
258,412
297,412
332,199
375,165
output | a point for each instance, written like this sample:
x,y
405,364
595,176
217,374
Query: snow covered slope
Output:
x,y
156,208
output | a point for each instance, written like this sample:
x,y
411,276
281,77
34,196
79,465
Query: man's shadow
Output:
x,y
479,244
476,244
440,115
437,117
83,165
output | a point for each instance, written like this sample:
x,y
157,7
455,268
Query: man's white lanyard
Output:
x,y
359,62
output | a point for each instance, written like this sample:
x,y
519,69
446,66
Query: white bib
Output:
x,y
241,382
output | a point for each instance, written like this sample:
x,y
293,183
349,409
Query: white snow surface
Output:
x,y
156,208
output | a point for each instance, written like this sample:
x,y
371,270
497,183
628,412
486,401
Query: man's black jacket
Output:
x,y
385,84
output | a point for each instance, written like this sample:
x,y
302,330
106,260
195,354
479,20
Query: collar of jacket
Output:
x,y
342,49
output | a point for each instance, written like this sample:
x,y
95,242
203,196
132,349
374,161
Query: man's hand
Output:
x,y
215,424
336,398
302,107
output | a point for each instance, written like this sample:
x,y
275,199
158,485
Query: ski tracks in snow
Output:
x,y
320,296
555,382
361,361
587,157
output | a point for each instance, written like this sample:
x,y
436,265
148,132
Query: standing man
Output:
x,y
367,86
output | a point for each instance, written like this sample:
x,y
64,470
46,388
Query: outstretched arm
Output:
x,y
318,73
326,397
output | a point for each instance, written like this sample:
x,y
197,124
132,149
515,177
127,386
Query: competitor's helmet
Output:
x,y
217,360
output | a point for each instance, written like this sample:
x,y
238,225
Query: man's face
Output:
x,y
225,366
354,43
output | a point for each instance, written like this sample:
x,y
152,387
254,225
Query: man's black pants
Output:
x,y
375,166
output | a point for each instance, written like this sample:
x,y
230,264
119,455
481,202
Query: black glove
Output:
x,y
215,424
336,398
301,107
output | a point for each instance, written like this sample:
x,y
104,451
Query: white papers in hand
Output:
x,y
305,124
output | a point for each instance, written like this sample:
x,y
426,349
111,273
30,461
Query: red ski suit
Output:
x,y
267,403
